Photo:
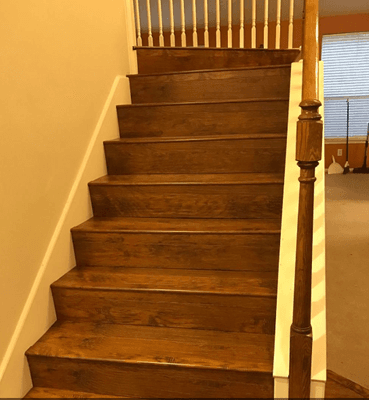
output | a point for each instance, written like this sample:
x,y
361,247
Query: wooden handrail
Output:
x,y
308,153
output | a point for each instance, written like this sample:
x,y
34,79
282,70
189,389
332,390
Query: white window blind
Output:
x,y
346,76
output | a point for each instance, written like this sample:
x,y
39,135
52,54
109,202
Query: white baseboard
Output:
x,y
317,389
38,312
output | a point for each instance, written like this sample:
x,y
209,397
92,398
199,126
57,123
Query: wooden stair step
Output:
x,y
238,244
181,226
167,59
256,195
250,283
153,362
221,84
50,393
196,299
203,154
204,118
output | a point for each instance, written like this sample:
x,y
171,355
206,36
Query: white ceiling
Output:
x,y
327,8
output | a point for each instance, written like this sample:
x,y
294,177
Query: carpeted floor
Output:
x,y
347,250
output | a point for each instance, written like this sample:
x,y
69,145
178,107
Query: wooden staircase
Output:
x,y
174,292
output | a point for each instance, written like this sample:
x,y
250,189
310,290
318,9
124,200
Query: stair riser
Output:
x,y
168,60
189,251
187,201
217,85
147,381
175,310
203,119
191,157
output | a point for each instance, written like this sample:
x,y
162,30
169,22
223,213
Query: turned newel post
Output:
x,y
308,153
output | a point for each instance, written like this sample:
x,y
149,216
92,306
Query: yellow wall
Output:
x,y
58,62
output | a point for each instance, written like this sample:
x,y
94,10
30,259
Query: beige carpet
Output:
x,y
347,249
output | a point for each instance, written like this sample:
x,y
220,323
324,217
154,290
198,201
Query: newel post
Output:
x,y
308,153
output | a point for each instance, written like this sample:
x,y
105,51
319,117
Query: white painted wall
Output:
x,y
62,73
288,254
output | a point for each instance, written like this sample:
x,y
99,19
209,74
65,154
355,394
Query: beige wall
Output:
x,y
58,62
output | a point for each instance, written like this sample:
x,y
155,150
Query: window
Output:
x,y
346,79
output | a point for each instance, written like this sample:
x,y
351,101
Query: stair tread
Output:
x,y
194,179
191,103
178,225
47,393
158,346
195,71
251,283
168,139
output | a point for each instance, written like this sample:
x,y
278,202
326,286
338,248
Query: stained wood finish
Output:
x,y
338,387
188,196
117,359
215,300
308,154
154,60
196,155
259,284
201,119
47,393
178,243
211,85
174,293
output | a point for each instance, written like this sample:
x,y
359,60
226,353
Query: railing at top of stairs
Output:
x,y
308,155
151,31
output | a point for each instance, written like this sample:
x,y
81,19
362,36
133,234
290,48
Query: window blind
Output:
x,y
346,76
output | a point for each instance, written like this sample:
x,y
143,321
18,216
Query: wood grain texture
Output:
x,y
197,155
211,85
210,300
189,244
255,283
174,293
339,387
48,393
156,60
164,196
165,381
116,359
201,119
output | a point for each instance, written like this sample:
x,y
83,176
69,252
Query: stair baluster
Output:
x,y
150,38
172,36
266,17
253,25
138,24
183,25
160,14
278,26
194,22
308,154
230,23
206,24
242,24
217,23
290,26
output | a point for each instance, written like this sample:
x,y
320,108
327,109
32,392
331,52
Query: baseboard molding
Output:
x,y
38,312
281,386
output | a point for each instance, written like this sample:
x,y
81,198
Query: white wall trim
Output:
x,y
93,162
131,36
286,273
